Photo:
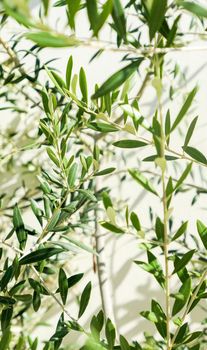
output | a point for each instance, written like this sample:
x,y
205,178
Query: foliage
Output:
x,y
55,151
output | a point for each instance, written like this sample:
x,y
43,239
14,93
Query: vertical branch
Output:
x,y
165,212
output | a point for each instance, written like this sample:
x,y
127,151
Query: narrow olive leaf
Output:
x,y
195,154
111,227
182,297
181,263
184,108
88,194
92,12
36,300
80,245
7,300
83,85
72,174
6,316
107,8
47,39
141,179
202,230
192,337
84,300
183,176
184,330
182,229
53,220
63,285
129,144
102,127
110,334
19,227
73,7
190,131
69,71
72,280
124,343
135,221
156,16
117,79
119,19
5,339
39,255
52,156
161,325
193,7
149,315
105,172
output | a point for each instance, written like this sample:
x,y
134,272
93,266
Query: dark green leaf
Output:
x,y
83,85
202,230
73,7
184,293
69,71
84,300
72,174
105,172
119,19
156,16
110,334
101,19
63,285
6,316
135,221
190,131
129,144
19,227
183,176
117,79
36,300
195,154
39,255
182,229
5,339
111,227
124,343
178,265
7,300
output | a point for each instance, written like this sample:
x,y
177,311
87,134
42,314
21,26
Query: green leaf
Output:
x,y
83,85
39,255
88,194
161,317
202,230
149,315
111,227
156,16
19,227
72,280
7,300
92,12
184,293
190,131
195,154
73,7
72,175
53,220
184,108
124,343
141,179
5,339
69,72
135,221
47,39
105,172
63,285
36,300
119,19
117,79
191,337
153,267
129,144
80,245
110,334
183,176
6,316
180,264
182,229
102,17
102,127
84,300
193,7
